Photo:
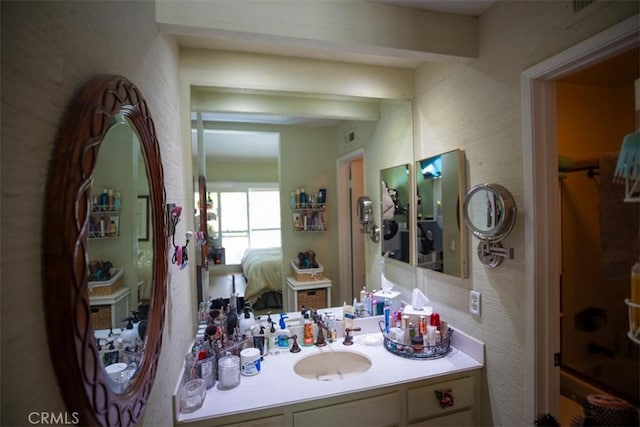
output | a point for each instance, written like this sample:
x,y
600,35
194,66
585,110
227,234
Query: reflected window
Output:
x,y
239,219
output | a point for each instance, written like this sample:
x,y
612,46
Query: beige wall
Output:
x,y
49,49
476,107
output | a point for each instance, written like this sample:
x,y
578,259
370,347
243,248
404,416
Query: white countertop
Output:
x,y
277,384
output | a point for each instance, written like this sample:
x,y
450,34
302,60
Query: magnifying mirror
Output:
x,y
490,214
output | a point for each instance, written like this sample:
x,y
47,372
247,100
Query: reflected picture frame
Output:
x,y
142,215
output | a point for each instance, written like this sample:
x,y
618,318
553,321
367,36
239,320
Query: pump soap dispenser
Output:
x,y
283,333
247,322
129,334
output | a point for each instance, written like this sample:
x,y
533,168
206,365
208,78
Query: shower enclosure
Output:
x,y
597,356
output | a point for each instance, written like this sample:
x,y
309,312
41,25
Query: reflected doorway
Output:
x,y
351,239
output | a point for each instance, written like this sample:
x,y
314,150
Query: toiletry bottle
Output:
x,y
435,319
129,334
283,333
308,330
273,338
110,199
422,326
246,323
104,199
387,316
292,202
302,313
116,201
348,314
303,198
103,226
297,198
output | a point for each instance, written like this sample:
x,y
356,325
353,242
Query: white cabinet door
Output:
x,y
381,411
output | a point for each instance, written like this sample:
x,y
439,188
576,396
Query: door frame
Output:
x,y
541,207
344,220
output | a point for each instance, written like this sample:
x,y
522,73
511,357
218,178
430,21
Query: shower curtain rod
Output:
x,y
566,164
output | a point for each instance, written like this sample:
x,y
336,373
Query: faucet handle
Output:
x,y
295,348
348,339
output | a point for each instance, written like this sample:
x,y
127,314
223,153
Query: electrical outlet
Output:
x,y
474,302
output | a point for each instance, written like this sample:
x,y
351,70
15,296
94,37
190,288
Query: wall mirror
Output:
x,y
440,243
394,197
490,214
96,270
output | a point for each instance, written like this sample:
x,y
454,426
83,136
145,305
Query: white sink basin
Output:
x,y
332,365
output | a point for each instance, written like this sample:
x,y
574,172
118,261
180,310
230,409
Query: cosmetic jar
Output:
x,y
192,395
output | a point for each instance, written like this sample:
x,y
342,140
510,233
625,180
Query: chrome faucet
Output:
x,y
317,319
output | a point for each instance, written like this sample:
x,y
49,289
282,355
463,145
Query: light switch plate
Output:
x,y
474,302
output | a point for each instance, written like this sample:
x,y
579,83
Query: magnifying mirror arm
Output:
x,y
491,254
497,249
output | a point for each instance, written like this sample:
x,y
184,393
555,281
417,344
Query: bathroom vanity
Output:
x,y
392,391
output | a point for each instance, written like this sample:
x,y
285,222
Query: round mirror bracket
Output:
x,y
502,213
374,233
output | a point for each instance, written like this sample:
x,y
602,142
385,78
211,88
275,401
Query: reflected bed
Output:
x,y
262,269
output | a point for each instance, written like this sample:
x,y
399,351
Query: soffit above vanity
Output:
x,y
373,33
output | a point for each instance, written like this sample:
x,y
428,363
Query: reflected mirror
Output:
x,y
102,259
440,244
119,251
394,196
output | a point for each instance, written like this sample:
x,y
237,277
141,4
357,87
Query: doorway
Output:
x,y
350,186
542,204
595,111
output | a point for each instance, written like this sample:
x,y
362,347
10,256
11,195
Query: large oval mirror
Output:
x,y
394,197
440,242
104,254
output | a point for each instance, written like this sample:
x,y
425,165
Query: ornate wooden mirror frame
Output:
x,y
74,353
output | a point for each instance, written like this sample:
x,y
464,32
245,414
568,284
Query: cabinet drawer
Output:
x,y
458,419
422,401
275,421
374,411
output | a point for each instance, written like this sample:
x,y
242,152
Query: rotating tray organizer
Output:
x,y
428,351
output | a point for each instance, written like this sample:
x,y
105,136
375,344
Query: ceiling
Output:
x,y
614,72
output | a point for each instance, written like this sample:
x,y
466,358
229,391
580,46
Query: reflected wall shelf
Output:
x,y
312,219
